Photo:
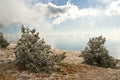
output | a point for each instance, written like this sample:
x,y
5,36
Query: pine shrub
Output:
x,y
3,42
96,54
34,54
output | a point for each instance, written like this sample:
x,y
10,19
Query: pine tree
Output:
x,y
3,42
96,54
34,54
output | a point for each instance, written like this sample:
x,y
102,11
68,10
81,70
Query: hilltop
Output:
x,y
71,68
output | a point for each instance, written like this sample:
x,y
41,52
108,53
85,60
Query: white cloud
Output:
x,y
73,12
113,8
17,11
13,11
106,1
50,10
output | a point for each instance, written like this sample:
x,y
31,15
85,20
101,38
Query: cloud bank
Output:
x,y
18,11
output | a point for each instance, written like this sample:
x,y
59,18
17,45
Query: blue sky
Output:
x,y
65,24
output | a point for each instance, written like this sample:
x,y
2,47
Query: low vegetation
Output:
x,y
70,69
96,54
34,54
3,42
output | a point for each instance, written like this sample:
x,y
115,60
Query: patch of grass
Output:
x,y
76,68
4,76
68,68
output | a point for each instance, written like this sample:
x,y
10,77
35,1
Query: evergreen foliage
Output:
x,y
96,54
3,42
34,54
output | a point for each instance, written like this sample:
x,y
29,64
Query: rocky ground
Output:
x,y
71,69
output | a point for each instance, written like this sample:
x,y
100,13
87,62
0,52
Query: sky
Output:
x,y
64,24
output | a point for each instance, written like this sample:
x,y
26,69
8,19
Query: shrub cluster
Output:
x,y
96,54
3,42
34,54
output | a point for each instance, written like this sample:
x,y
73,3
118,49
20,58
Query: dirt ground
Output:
x,y
71,69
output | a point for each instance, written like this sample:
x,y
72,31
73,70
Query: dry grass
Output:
x,y
71,69
6,77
